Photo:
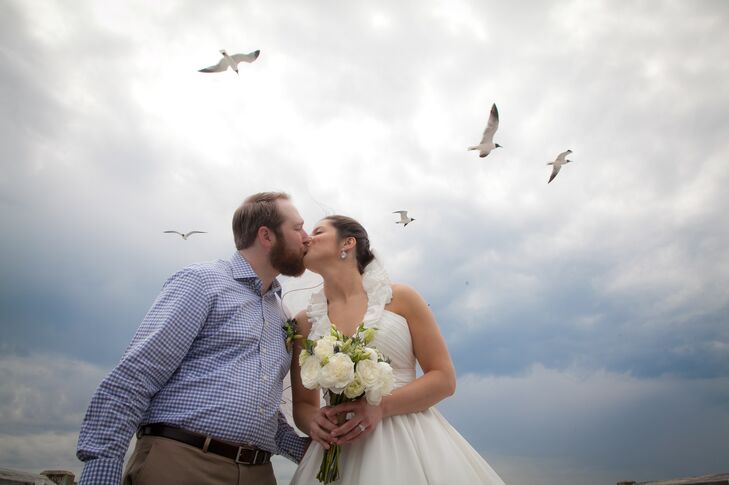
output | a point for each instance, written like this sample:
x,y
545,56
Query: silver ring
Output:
x,y
362,428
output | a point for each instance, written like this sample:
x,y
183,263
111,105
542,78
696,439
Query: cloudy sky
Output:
x,y
588,319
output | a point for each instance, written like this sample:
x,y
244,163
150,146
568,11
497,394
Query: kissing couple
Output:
x,y
200,384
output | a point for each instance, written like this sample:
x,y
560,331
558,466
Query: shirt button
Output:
x,y
265,378
263,351
260,410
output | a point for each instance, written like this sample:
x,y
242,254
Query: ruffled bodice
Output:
x,y
393,334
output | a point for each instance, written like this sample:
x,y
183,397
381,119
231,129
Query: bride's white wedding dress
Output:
x,y
415,448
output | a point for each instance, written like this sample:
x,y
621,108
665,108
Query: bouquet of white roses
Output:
x,y
347,369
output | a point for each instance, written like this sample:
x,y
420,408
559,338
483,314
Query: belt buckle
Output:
x,y
240,450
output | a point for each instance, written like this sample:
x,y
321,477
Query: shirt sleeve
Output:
x,y
156,351
102,471
289,443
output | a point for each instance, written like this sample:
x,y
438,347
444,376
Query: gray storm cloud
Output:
x,y
617,270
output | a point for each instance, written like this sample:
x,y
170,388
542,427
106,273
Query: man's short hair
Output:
x,y
256,211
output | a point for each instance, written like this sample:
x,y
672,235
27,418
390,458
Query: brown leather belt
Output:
x,y
245,455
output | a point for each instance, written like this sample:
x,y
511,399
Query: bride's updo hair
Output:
x,y
348,227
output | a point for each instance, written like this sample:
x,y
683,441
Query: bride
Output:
x,y
403,440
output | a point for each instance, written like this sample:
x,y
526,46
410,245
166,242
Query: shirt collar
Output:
x,y
242,270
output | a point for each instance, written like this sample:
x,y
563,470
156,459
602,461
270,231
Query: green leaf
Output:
x,y
309,346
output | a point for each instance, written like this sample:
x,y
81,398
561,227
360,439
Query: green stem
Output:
x,y
329,469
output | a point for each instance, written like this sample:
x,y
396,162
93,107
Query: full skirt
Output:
x,y
416,448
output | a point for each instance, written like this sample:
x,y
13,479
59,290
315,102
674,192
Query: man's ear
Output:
x,y
266,237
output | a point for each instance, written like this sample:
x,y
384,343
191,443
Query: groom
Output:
x,y
201,382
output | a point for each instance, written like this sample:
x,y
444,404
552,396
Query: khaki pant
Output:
x,y
160,461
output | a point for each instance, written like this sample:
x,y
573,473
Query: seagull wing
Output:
x,y
562,155
403,215
219,67
174,232
246,57
194,232
492,126
555,171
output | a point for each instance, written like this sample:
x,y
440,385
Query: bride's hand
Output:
x,y
364,420
321,427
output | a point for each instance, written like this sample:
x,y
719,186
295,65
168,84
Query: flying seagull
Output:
x,y
487,141
231,61
185,236
557,164
404,219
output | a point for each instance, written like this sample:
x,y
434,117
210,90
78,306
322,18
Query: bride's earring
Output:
x,y
343,255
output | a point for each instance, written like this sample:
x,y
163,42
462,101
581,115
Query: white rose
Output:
x,y
387,380
368,373
354,389
303,357
338,373
383,386
324,347
372,353
373,396
310,373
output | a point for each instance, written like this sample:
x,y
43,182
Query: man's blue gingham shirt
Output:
x,y
209,357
